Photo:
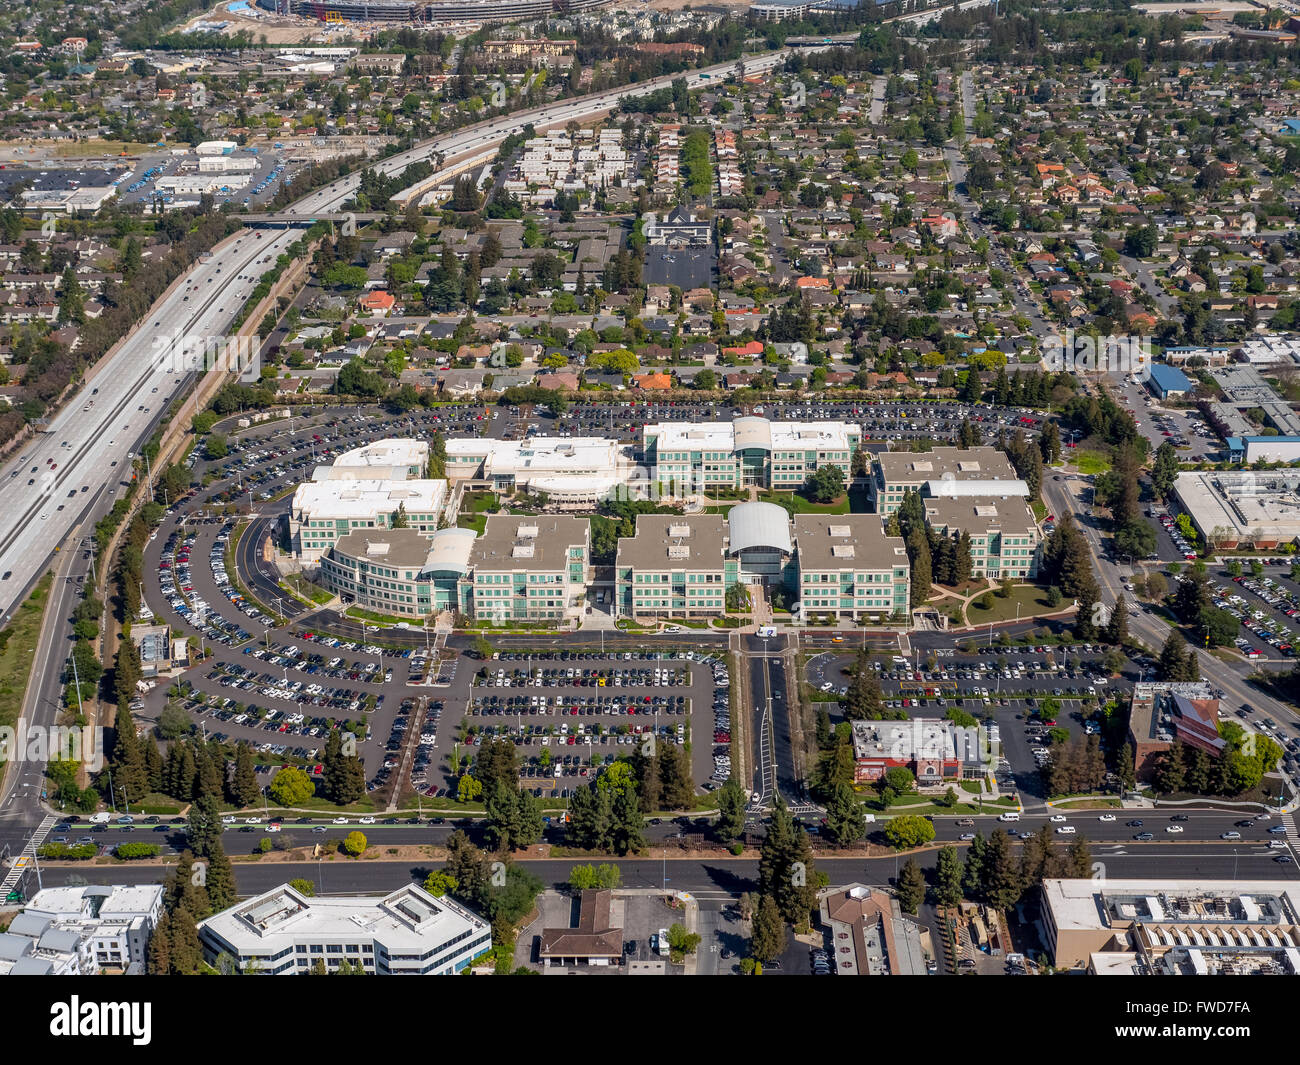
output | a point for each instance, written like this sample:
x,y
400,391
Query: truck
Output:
x,y
661,942
100,818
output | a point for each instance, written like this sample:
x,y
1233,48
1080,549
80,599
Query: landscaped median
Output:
x,y
18,642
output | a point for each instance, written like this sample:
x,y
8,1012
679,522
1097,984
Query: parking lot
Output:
x,y
572,713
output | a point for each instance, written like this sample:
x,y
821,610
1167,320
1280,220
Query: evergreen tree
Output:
x,y
244,789
130,779
768,940
160,948
963,564
918,550
153,764
948,873
911,887
203,828
845,823
1117,626
1002,884
186,953
222,893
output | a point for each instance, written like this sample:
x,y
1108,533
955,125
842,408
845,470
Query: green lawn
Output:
x,y
474,511
1030,598
803,505
17,645
1090,462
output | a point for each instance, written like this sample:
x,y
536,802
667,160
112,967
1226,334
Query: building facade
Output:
x,y
399,571
848,567
406,933
748,451
528,569
675,566
897,472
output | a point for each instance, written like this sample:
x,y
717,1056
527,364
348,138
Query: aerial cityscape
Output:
x,y
631,487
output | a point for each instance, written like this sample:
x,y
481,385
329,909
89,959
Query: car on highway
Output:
x,y
1229,835
1106,818
1173,829
1144,837
1058,819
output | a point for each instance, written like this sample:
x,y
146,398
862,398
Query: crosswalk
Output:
x,y
18,865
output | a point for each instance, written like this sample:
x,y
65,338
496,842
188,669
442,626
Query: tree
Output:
x,y
948,877
918,551
908,830
304,887
603,876
825,484
911,886
354,843
681,942
243,784
768,940
731,810
222,893
203,826
291,787
173,722
845,822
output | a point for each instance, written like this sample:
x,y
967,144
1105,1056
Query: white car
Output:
x,y
1173,830
1058,819
252,820
1066,830
1106,817
340,820
228,820
367,821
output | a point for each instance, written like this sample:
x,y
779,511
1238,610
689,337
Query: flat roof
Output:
x,y
511,542
982,514
1087,904
402,548
366,498
945,463
406,919
751,432
846,541
1243,503
675,542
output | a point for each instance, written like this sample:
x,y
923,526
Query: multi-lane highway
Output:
x,y
88,448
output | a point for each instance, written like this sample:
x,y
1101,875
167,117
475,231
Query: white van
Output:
x,y
1009,817
100,819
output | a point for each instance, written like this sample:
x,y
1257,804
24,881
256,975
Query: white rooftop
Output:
x,y
366,498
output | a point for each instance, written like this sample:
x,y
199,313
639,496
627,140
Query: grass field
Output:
x,y
17,645
474,511
1090,462
1030,598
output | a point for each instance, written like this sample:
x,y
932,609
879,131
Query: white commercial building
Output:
x,y
82,930
202,183
323,511
227,164
388,460
747,451
575,471
408,932
1240,508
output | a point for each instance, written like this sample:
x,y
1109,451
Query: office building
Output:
x,y
405,933
398,571
747,451
942,472
528,569
675,566
570,471
870,933
847,566
83,930
1005,539
1151,926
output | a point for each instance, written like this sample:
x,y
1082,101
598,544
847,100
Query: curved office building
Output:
x,y
760,540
